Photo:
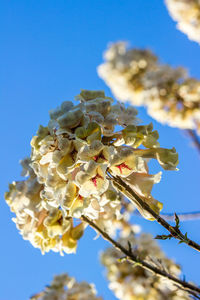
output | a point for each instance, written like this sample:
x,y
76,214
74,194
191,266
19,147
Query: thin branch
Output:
x,y
195,140
134,198
184,216
187,216
190,288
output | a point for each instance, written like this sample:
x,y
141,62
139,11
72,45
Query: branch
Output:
x,y
134,198
187,216
195,140
190,288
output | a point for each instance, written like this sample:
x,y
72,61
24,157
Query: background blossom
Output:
x,y
132,282
135,75
64,287
187,15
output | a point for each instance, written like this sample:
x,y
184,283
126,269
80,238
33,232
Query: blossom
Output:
x,y
65,287
124,162
129,282
67,172
187,15
136,75
46,228
92,179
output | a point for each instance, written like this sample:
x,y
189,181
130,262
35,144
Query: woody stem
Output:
x,y
134,198
130,256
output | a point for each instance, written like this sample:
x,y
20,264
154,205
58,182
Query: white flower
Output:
x,y
187,15
136,76
129,282
64,287
67,172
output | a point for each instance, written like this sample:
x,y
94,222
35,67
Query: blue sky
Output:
x,y
49,50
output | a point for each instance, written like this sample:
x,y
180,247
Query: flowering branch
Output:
x,y
130,256
133,197
66,172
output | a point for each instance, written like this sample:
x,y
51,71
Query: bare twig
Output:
x,y
195,140
187,216
190,288
134,198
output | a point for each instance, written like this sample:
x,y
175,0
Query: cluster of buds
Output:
x,y
132,282
187,14
64,287
136,75
67,172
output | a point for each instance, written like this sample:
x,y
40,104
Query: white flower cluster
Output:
x,y
135,75
187,14
64,287
132,282
67,171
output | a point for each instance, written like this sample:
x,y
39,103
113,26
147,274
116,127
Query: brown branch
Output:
x,y
190,288
194,138
134,198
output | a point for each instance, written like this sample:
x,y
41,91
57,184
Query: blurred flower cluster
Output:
x,y
187,14
132,282
64,287
135,75
67,171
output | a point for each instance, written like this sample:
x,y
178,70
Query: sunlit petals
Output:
x,y
124,162
71,162
167,158
187,14
143,182
64,287
92,179
168,93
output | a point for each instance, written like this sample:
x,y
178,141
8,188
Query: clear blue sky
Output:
x,y
48,51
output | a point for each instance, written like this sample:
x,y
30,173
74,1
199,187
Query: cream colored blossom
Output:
x,y
45,227
67,172
91,180
136,76
64,287
129,282
187,15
